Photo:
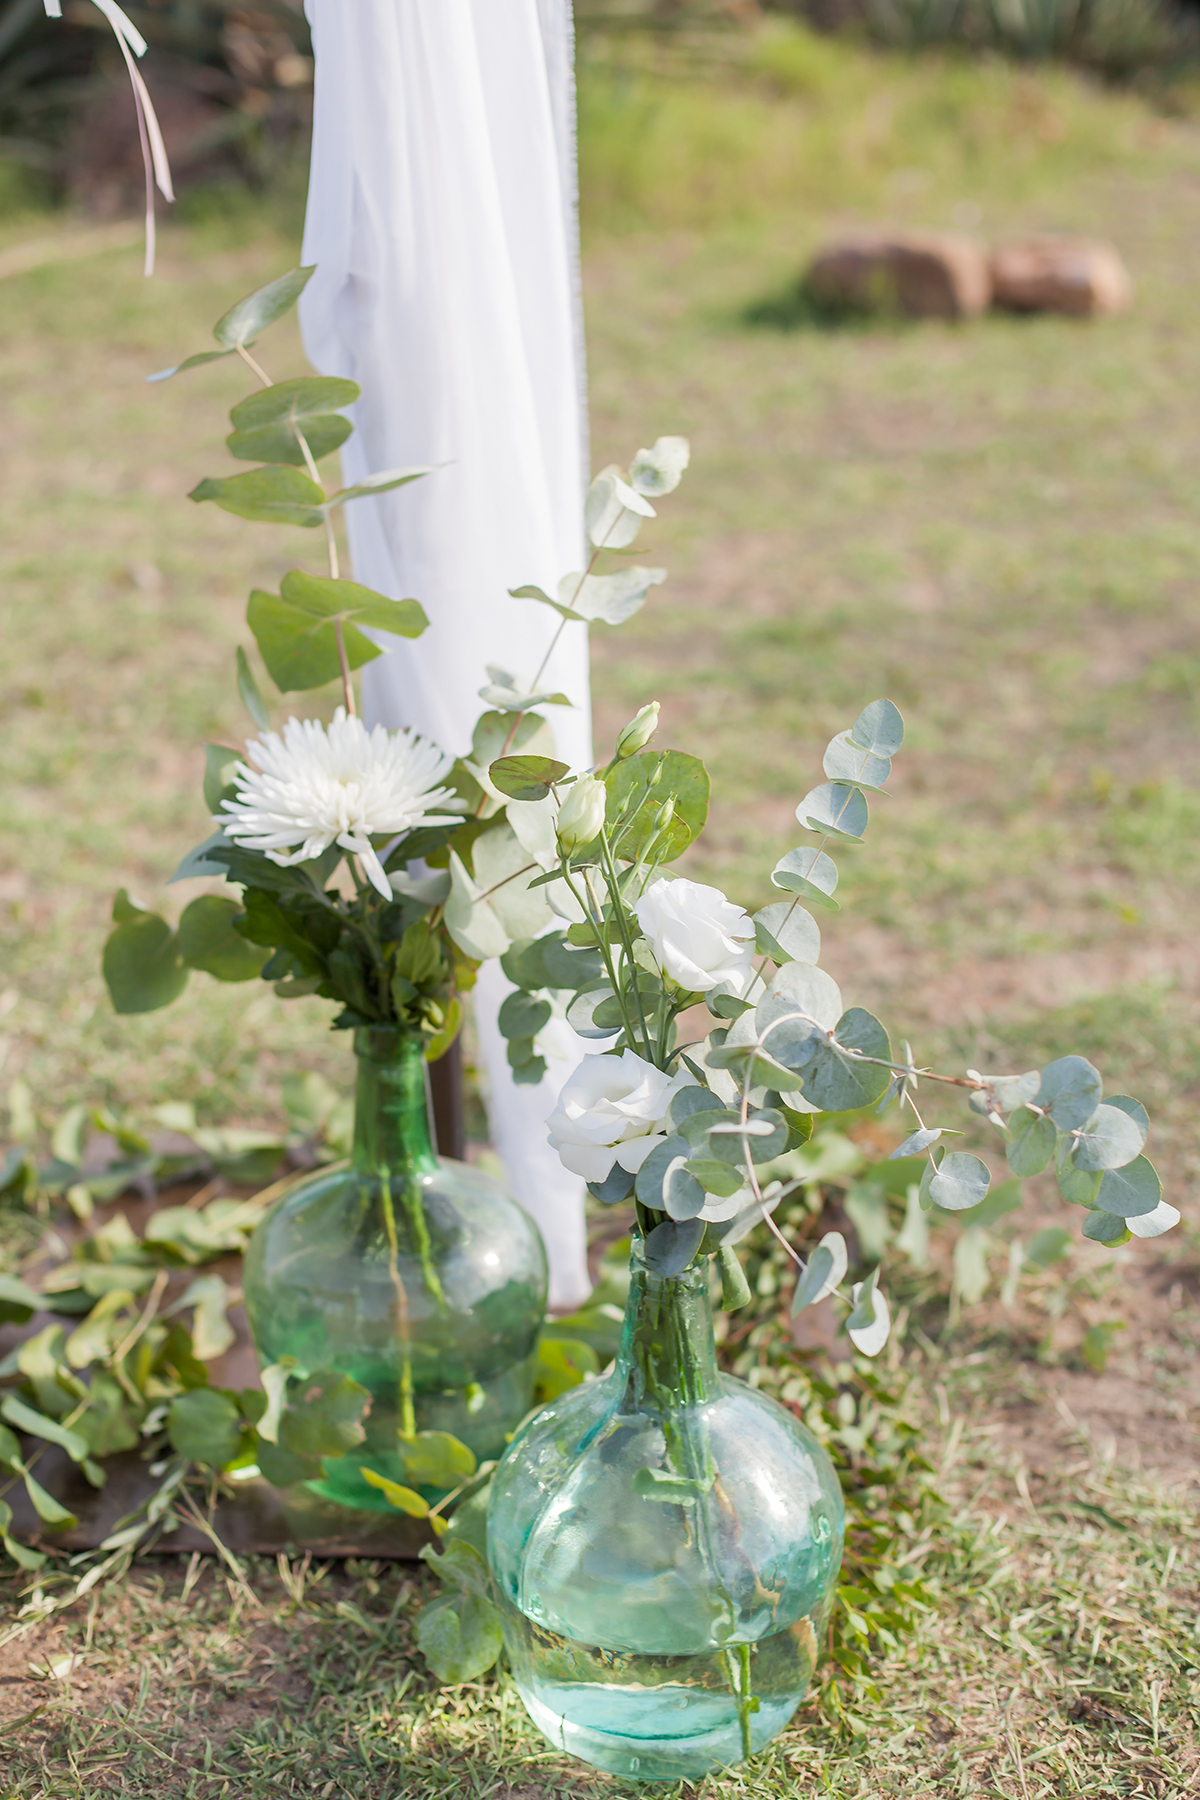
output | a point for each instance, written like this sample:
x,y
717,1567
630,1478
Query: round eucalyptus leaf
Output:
x,y
523,1015
800,1002
581,1013
1134,1108
648,1183
961,1181
714,1177
670,1247
847,761
1070,1091
616,1186
690,1100
878,728
304,398
1030,1144
526,777
278,443
1106,1228
835,1082
836,808
1109,1140
915,1142
786,933
1130,1191
809,873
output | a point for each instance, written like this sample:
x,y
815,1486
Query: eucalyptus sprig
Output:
x,y
699,1135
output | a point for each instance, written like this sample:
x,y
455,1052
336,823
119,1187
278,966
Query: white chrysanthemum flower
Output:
x,y
317,786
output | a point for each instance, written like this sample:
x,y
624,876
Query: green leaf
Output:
x,y
810,874
251,693
37,1425
190,362
404,1499
735,1289
971,1274
47,1508
664,1184
523,1016
272,496
1110,1139
436,1459
325,1418
846,761
1097,1342
878,728
1106,1228
1048,1246
605,599
142,966
205,1425
665,1486
295,629
208,941
281,1468
380,483
1070,1091
265,425
18,1302
799,1004
526,777
459,1636
961,1181
562,1363
461,1564
714,1177
670,1247
1030,1143
835,809
279,443
786,933
1131,1191
125,908
243,322
21,1554
837,1083
1133,1108
637,789
220,765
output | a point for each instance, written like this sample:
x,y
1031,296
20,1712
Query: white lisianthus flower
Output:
x,y
699,938
317,786
612,1110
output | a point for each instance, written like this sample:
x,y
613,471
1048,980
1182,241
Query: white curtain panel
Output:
x,y
442,223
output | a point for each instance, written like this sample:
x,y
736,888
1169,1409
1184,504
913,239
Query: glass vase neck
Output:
x,y
391,1103
668,1355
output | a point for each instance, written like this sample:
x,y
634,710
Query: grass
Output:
x,y
995,525
1061,1660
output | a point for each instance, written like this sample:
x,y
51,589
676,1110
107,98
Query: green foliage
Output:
x,y
297,630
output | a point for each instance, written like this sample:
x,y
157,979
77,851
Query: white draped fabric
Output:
x,y
441,220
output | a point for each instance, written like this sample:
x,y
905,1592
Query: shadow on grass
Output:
x,y
797,307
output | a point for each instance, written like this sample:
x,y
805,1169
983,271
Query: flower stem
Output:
x,y
408,1417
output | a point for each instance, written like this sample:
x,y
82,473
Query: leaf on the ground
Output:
x,y
459,1636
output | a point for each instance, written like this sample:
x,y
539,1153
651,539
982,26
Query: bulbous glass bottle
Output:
x,y
417,1276
665,1544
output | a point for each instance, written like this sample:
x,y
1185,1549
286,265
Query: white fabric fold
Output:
x,y
441,220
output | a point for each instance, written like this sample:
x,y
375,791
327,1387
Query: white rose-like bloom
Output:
x,y
314,787
612,1110
699,938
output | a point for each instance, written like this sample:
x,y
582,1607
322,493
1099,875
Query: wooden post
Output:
x,y
446,1093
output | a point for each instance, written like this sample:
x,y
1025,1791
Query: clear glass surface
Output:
x,y
418,1277
666,1543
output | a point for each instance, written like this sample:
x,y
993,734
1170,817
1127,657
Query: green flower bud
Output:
x,y
581,815
638,732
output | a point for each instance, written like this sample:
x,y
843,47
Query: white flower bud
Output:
x,y
581,815
638,732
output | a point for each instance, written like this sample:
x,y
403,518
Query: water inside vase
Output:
x,y
658,1717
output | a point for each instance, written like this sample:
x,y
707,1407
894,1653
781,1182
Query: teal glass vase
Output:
x,y
417,1276
665,1543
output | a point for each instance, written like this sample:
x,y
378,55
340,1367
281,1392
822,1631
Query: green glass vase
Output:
x,y
417,1276
665,1543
